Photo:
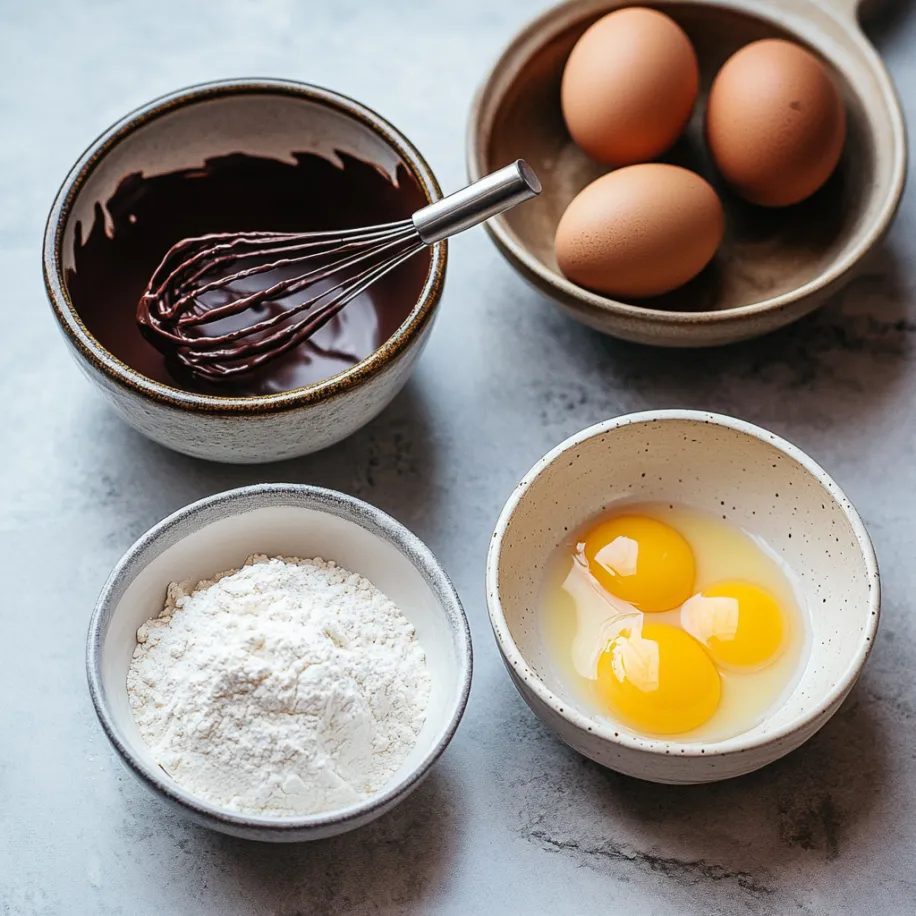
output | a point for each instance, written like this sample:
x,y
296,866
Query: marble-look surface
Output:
x,y
511,821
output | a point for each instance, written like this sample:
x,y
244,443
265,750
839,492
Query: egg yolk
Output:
x,y
740,624
658,680
642,561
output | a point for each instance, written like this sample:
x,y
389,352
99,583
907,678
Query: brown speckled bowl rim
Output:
x,y
121,374
545,26
198,515
605,730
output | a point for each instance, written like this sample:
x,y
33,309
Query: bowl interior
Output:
x,y
176,172
765,253
221,537
751,482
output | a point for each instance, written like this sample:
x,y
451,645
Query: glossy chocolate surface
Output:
x,y
147,215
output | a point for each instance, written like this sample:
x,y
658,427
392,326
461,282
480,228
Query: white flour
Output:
x,y
285,687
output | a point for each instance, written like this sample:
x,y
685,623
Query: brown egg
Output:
x,y
640,231
775,123
629,86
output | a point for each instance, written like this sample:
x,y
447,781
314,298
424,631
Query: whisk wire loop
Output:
x,y
200,308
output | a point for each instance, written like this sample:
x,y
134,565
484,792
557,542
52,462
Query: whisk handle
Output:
x,y
477,202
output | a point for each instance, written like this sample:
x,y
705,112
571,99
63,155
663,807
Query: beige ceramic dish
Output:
x,y
716,464
267,118
774,266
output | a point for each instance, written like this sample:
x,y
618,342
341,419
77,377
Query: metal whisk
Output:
x,y
201,281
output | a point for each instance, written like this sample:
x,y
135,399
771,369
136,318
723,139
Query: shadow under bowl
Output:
x,y
721,466
774,265
219,533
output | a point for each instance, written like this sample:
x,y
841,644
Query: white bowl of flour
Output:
x,y
282,662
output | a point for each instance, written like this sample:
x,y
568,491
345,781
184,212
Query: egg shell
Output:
x,y
629,86
775,123
640,231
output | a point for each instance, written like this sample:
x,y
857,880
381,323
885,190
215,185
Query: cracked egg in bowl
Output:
x,y
680,596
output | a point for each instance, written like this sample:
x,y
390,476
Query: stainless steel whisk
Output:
x,y
191,288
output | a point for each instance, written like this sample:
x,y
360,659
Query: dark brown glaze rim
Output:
x,y
551,22
122,375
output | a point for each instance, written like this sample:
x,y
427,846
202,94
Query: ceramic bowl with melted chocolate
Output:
x,y
225,157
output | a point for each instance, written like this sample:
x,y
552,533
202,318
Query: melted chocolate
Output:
x,y
230,194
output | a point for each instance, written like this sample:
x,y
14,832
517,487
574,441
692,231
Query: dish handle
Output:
x,y
849,10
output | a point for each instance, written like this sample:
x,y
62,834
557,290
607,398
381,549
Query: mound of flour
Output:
x,y
286,687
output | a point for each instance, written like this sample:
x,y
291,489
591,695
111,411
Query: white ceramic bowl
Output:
x,y
279,519
712,463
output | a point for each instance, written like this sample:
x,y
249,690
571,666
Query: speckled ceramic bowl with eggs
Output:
x,y
721,466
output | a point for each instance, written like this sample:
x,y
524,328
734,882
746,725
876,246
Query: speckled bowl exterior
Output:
x,y
219,533
716,464
260,117
768,272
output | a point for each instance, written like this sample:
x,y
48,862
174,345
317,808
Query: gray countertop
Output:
x,y
511,821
